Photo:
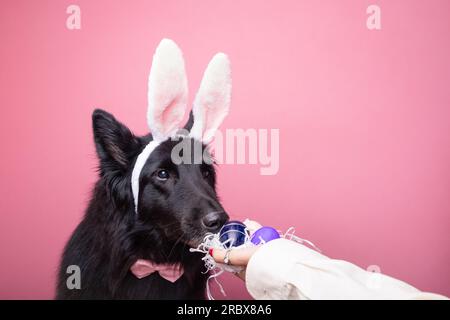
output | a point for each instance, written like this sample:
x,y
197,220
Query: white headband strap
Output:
x,y
138,166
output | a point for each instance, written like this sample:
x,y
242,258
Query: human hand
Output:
x,y
238,256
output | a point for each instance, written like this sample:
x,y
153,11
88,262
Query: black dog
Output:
x,y
178,205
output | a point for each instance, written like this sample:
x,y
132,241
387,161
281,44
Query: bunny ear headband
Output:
x,y
167,101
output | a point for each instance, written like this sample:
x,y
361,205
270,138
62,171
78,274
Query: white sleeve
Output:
x,y
283,269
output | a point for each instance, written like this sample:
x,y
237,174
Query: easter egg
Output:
x,y
233,234
264,234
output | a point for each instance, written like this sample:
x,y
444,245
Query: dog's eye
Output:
x,y
162,174
206,173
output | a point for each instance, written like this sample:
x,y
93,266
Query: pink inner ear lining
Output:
x,y
167,90
212,101
170,118
212,116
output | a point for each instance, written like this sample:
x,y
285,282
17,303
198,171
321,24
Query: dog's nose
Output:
x,y
213,221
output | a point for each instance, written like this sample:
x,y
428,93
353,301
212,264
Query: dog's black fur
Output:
x,y
171,216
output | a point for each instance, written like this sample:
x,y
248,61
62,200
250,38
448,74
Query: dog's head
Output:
x,y
168,177
180,197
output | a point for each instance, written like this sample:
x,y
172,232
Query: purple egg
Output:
x,y
233,234
264,234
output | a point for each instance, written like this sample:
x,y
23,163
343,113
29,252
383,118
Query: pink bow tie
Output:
x,y
142,268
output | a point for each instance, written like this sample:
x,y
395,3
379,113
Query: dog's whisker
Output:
x,y
173,247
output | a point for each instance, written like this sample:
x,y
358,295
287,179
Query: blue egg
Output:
x,y
233,234
264,234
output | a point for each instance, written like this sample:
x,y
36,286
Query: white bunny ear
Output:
x,y
212,101
167,91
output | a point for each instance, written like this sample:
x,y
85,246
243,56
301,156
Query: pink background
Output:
x,y
363,116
